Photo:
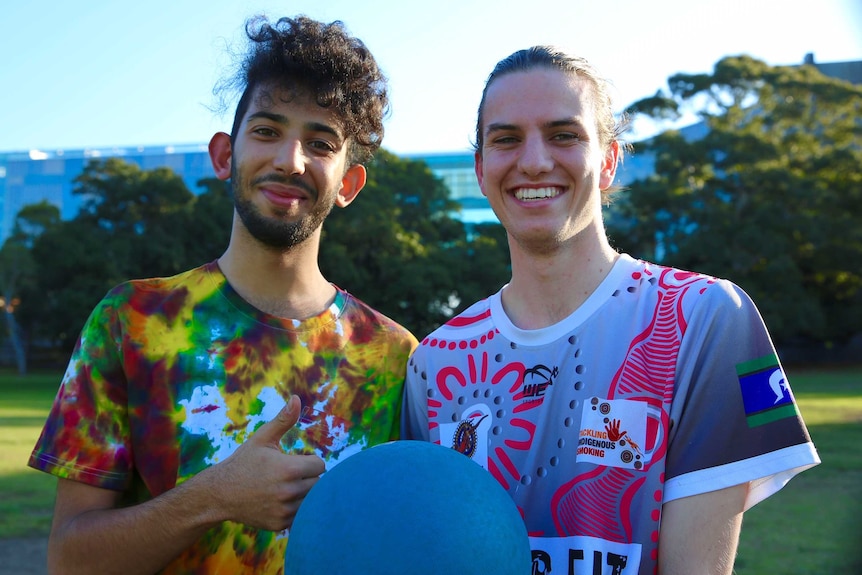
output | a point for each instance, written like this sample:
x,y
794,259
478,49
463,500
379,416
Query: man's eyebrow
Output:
x,y
500,127
561,123
564,123
320,127
277,118
284,120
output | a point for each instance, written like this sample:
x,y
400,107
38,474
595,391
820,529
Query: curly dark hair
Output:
x,y
336,68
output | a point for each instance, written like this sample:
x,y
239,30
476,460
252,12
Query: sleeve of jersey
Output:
x,y
414,411
734,419
86,435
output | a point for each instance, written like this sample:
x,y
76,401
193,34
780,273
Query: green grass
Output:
x,y
811,527
28,495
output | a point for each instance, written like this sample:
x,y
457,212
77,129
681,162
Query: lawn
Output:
x,y
813,526
28,495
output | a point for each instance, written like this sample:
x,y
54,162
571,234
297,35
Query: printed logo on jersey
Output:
x,y
765,392
613,433
579,554
470,435
537,380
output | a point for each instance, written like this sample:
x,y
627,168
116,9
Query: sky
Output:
x,y
115,73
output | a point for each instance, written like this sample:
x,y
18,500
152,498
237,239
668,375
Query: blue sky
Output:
x,y
105,73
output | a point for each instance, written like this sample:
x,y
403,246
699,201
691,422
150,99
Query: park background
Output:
x,y
747,168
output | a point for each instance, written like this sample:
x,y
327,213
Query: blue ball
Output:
x,y
407,507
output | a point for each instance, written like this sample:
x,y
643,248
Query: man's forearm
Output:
x,y
129,540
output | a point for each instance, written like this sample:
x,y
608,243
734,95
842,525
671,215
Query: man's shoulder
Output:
x,y
474,319
360,312
668,277
701,291
139,291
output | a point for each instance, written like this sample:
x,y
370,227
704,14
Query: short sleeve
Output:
x,y
733,418
86,435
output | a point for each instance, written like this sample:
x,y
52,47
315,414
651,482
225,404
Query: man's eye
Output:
x,y
264,131
322,145
566,136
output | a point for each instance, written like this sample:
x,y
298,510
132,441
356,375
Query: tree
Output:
x,y
17,268
142,211
769,197
400,248
133,223
206,224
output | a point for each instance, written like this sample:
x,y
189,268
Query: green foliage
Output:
x,y
18,268
400,249
133,223
770,197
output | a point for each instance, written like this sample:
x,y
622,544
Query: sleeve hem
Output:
x,y
766,473
89,475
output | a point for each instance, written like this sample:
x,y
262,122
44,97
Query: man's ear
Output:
x,y
220,155
480,174
609,165
352,182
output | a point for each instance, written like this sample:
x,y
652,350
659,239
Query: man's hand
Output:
x,y
260,485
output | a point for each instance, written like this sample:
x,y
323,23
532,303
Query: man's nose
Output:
x,y
535,157
290,158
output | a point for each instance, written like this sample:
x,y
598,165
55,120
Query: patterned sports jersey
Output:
x,y
663,384
171,375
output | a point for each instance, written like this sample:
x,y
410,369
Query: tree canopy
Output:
x,y
17,269
133,223
770,197
400,248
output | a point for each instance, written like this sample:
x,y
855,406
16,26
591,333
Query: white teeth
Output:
x,y
536,193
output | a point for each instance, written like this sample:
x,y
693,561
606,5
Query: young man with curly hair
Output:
x,y
198,410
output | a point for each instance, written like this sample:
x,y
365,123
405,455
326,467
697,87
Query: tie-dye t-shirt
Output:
x,y
171,375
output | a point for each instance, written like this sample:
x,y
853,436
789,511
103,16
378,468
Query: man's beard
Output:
x,y
273,232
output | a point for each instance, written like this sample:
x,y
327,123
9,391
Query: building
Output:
x,y
30,177
457,172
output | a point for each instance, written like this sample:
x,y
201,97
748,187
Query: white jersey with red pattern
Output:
x,y
663,384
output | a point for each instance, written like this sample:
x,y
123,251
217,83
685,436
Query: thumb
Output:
x,y
272,431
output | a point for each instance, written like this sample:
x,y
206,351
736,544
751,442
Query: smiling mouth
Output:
x,y
527,194
283,200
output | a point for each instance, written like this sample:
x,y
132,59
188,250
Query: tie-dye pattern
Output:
x,y
171,375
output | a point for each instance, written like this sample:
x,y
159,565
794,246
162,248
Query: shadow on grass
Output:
x,y
23,421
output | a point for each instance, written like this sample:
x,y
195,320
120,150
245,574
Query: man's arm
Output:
x,y
699,534
258,485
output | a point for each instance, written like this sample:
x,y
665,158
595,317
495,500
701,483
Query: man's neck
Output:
x,y
547,288
285,284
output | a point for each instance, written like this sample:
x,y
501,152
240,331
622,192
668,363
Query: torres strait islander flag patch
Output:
x,y
765,391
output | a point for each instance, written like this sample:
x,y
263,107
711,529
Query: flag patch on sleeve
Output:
x,y
765,391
